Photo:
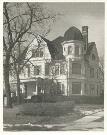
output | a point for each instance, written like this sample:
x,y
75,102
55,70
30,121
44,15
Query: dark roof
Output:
x,y
54,49
73,34
58,40
59,47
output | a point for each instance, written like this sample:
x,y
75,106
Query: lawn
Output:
x,y
9,115
40,113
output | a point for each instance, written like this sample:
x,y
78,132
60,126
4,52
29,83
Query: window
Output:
x,y
28,70
92,89
77,51
76,68
62,69
97,73
37,70
59,88
39,52
47,69
33,52
63,89
82,50
57,70
76,88
91,72
93,57
69,49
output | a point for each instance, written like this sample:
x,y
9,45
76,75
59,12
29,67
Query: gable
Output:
x,y
93,56
35,45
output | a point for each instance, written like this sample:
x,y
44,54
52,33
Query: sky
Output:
x,y
78,15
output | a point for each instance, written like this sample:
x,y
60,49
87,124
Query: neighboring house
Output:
x,y
70,61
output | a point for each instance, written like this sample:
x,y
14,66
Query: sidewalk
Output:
x,y
91,122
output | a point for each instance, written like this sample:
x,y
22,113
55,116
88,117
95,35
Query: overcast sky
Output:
x,y
80,14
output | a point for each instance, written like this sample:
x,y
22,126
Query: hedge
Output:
x,y
47,109
77,98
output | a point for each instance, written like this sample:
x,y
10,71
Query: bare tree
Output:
x,y
18,21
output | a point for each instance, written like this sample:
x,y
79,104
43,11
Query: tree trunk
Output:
x,y
6,82
18,89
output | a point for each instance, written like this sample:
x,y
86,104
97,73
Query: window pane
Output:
x,y
91,72
33,53
92,89
76,88
62,69
28,70
37,70
76,51
93,57
47,69
39,52
57,70
69,49
76,68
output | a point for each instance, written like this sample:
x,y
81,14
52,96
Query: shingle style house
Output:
x,y
71,61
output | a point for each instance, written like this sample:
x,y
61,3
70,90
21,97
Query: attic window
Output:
x,y
39,52
93,57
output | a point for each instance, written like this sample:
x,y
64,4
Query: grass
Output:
x,y
40,113
89,107
9,117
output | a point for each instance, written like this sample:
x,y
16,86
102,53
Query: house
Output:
x,y
70,61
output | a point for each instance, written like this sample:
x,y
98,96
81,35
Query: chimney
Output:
x,y
85,36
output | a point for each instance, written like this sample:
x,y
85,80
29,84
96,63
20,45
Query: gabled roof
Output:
x,y
90,47
54,49
89,50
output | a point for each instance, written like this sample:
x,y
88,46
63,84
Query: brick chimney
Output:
x,y
85,36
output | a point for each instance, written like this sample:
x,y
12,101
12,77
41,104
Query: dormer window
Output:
x,y
93,57
39,52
